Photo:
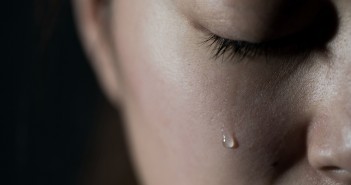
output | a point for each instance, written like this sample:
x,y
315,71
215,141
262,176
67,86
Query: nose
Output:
x,y
329,145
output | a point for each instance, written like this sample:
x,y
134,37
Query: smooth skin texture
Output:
x,y
291,118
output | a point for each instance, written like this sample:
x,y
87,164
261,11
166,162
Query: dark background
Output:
x,y
56,127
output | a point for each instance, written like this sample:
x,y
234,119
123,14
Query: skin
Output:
x,y
290,118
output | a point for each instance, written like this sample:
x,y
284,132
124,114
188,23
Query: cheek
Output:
x,y
177,100
167,94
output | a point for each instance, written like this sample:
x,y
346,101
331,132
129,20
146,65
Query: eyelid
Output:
x,y
221,46
299,45
284,48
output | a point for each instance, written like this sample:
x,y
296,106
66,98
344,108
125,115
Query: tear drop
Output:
x,y
228,139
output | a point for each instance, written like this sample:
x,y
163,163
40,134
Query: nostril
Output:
x,y
337,173
334,170
331,168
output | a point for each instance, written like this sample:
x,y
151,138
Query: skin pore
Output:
x,y
291,115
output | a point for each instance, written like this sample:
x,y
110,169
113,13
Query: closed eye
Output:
x,y
243,49
314,38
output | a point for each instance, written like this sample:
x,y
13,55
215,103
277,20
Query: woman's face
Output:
x,y
182,79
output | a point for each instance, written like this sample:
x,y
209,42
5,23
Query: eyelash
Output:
x,y
284,48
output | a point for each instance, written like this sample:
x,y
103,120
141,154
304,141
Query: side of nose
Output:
x,y
329,144
329,134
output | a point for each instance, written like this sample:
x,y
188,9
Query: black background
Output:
x,y
51,102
